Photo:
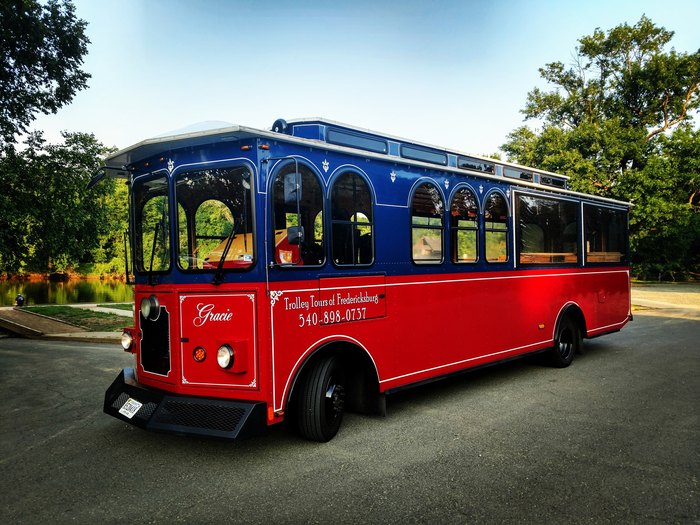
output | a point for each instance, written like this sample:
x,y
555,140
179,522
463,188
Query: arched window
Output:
x,y
298,216
426,224
351,221
464,217
496,228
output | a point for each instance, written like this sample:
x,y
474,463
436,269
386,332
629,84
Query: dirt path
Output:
x,y
33,325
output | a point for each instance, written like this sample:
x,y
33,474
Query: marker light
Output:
x,y
199,354
224,356
150,308
126,341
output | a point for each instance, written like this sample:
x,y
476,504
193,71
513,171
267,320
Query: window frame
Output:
x,y
192,168
453,229
518,232
138,223
351,139
417,185
423,154
462,161
353,223
271,198
507,230
625,255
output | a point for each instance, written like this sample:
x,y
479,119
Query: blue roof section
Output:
x,y
340,135
367,140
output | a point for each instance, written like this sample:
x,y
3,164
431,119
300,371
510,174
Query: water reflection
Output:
x,y
77,291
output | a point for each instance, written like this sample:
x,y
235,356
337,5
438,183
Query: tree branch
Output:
x,y
677,120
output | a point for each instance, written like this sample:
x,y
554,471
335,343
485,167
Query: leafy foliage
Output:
x,y
42,51
618,122
49,221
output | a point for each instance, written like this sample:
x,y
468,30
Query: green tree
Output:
x,y
49,220
42,46
109,255
617,123
15,199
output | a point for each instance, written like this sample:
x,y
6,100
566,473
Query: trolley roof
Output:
x,y
351,139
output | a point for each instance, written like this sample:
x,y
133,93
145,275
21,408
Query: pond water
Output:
x,y
75,291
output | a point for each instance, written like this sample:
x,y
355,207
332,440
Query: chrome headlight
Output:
x,y
127,340
150,307
224,356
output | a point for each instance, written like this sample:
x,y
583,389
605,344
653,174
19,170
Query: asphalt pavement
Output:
x,y
615,438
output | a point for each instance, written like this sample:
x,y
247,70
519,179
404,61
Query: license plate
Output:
x,y
130,408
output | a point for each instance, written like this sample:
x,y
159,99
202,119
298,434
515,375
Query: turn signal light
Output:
x,y
199,354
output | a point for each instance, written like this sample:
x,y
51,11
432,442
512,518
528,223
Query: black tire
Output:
x,y
321,400
567,343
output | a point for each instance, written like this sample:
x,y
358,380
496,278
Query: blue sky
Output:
x,y
449,73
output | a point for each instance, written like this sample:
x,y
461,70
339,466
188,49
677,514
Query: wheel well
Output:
x,y
361,381
574,313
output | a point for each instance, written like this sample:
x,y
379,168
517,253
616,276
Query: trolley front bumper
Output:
x,y
160,411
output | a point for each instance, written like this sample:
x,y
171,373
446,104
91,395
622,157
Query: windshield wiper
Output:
x,y
219,274
153,253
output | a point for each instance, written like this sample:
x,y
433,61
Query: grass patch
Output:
x,y
120,306
88,319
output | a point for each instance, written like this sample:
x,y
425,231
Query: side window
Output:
x,y
496,228
298,217
151,206
605,234
351,221
547,230
426,224
155,238
464,234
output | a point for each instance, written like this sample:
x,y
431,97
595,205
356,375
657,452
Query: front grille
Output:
x,y
155,343
198,415
164,412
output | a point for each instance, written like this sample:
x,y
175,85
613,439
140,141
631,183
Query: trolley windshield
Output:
x,y
213,221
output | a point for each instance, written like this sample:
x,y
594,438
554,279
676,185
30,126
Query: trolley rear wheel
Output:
x,y
567,342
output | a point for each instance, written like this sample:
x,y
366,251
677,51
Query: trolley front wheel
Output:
x,y
321,400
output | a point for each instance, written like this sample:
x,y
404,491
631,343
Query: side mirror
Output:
x,y
292,189
295,235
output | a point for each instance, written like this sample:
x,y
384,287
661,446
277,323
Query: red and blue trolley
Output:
x,y
316,267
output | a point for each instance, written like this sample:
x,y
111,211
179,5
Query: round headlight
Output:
x,y
224,356
150,307
127,340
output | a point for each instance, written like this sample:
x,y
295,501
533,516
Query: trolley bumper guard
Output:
x,y
184,415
